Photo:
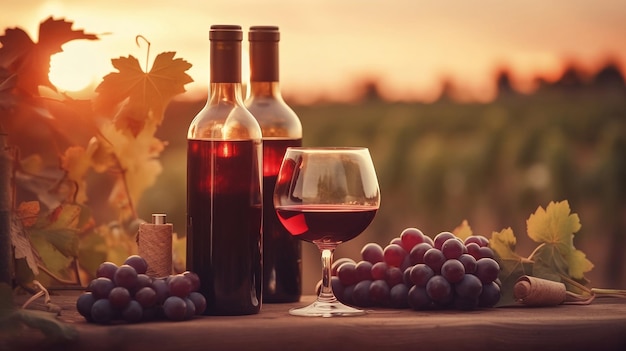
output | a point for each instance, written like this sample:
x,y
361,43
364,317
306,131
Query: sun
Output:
x,y
79,66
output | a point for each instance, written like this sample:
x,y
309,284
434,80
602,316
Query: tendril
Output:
x,y
147,51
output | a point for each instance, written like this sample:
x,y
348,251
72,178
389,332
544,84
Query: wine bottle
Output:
x,y
281,128
224,188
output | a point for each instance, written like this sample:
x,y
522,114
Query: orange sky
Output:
x,y
328,46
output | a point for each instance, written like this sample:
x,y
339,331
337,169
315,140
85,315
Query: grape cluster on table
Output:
x,y
418,272
126,293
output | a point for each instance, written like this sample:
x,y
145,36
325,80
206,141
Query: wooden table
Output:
x,y
599,326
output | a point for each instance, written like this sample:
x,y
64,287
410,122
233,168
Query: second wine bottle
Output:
x,y
281,128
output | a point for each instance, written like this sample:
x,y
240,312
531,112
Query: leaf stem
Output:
x,y
609,292
532,254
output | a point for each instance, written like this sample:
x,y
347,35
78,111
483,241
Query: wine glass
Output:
x,y
326,196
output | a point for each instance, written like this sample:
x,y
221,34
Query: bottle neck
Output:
x,y
265,89
264,61
225,92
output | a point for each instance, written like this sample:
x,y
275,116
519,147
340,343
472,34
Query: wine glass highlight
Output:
x,y
326,196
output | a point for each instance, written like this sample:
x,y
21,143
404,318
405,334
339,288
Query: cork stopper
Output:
x,y
225,53
264,53
532,291
159,218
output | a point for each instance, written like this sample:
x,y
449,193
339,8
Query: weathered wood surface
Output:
x,y
599,326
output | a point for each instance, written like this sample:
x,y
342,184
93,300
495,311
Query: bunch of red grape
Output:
x,y
421,273
126,293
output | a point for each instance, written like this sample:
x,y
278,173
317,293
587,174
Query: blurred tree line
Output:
x,y
490,163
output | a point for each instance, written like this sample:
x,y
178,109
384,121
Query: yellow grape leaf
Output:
x,y
503,244
554,226
145,95
463,231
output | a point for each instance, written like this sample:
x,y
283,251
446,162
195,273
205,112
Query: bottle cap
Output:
x,y
264,33
226,32
159,218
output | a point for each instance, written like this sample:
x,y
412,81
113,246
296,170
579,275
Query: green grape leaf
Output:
x,y
144,95
93,251
554,226
30,61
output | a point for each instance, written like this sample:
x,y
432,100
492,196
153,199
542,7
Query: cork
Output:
x,y
532,291
154,244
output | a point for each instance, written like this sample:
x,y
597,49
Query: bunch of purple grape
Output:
x,y
126,293
421,273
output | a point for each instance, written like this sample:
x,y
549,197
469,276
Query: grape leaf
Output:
x,y
8,81
77,162
144,95
30,60
555,228
23,248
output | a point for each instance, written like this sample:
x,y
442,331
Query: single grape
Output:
x,y
411,237
379,293
346,297
452,248
394,255
406,277
441,238
434,258
490,295
146,297
416,255
101,311
421,274
143,280
372,252
137,262
487,270
84,303
453,270
429,240
347,273
100,287
361,293
119,297
396,241
394,276
398,296
379,270
337,263
175,308
439,290
486,252
418,299
199,301
106,270
194,278
162,290
180,286
469,262
469,287
191,308
364,270
336,285
133,312
478,239
126,276
474,250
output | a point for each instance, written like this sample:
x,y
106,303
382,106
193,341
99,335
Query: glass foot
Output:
x,y
326,309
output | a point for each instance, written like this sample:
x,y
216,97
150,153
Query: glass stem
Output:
x,y
326,291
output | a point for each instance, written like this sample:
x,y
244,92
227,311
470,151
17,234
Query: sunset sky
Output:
x,y
329,46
